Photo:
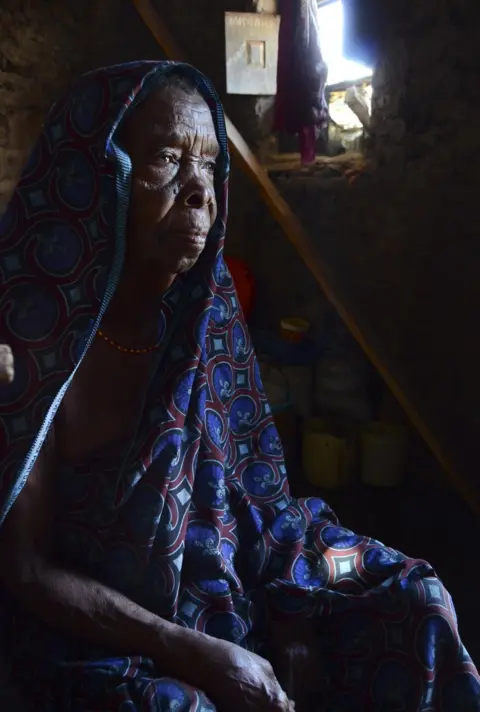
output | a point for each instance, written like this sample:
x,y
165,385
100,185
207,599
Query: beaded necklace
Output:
x,y
124,349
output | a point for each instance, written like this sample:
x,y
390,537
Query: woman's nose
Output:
x,y
197,190
197,195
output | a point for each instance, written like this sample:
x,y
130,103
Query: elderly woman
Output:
x,y
149,544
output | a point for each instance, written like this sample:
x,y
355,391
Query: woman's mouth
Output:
x,y
195,235
189,240
193,238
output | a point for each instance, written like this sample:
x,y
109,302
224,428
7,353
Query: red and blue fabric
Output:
x,y
193,519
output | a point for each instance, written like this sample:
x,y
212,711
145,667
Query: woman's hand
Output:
x,y
234,679
6,364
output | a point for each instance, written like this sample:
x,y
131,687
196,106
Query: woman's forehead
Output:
x,y
171,109
168,105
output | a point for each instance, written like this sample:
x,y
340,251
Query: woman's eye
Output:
x,y
165,158
210,166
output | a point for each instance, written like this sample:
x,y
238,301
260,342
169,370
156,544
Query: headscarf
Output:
x,y
62,246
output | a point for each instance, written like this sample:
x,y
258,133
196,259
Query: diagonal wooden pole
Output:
x,y
293,229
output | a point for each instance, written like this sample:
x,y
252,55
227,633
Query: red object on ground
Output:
x,y
244,283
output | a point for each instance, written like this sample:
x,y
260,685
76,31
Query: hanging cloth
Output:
x,y
300,106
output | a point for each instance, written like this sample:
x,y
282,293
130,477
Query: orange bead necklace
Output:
x,y
124,349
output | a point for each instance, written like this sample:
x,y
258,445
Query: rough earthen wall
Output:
x,y
402,245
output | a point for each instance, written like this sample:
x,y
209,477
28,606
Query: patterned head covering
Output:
x,y
62,245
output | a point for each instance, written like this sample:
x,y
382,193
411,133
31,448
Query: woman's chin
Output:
x,y
184,261
183,264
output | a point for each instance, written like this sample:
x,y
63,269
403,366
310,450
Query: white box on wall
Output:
x,y
251,51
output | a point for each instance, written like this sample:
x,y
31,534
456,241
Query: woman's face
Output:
x,y
171,140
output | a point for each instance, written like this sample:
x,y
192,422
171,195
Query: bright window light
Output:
x,y
330,22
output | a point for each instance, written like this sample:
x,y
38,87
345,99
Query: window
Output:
x,y
330,22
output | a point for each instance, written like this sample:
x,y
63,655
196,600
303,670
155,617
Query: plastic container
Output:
x,y
341,385
276,387
337,375
327,454
383,450
300,385
354,406
294,329
272,347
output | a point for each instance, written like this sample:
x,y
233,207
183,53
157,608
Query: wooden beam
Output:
x,y
296,234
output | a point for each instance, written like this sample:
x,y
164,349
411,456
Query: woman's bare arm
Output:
x,y
232,677
66,600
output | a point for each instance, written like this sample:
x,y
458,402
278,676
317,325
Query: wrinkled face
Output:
x,y
171,140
